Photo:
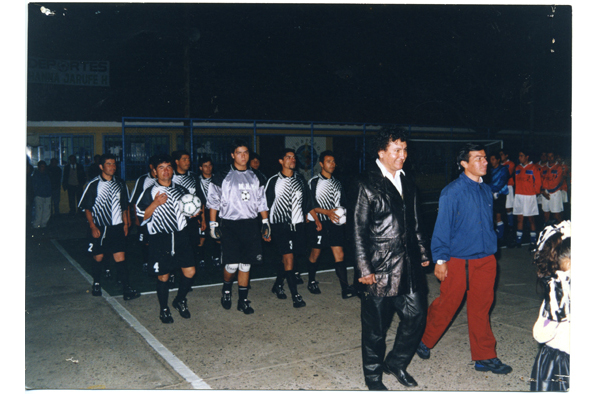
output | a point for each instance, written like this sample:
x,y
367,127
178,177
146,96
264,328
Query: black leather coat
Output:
x,y
386,234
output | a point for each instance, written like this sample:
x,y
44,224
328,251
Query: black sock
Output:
x,y
227,286
97,268
280,276
243,293
342,273
216,250
291,280
122,272
201,251
162,291
145,253
312,271
185,284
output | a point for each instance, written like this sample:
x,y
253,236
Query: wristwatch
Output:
x,y
440,262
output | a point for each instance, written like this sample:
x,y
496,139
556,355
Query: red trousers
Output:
x,y
480,296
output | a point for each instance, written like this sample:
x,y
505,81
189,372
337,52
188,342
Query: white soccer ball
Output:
x,y
190,205
341,212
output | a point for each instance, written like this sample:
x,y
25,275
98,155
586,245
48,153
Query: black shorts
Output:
x,y
112,240
499,205
330,235
240,242
289,239
193,229
167,252
143,234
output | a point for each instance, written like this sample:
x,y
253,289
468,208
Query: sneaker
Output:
x,y
313,287
181,307
532,247
216,261
202,264
226,300
279,292
492,364
298,301
129,293
96,290
165,316
107,275
348,292
423,351
299,280
145,268
244,306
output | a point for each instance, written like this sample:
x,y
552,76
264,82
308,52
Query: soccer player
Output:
x,y
499,187
205,166
169,245
289,200
327,194
552,200
510,197
237,195
528,183
106,201
142,184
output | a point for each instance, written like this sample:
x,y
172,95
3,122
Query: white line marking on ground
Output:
x,y
169,357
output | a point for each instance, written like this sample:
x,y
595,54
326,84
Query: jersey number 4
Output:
x,y
155,266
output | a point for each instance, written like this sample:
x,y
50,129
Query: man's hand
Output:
x,y
546,195
425,263
160,198
332,216
126,228
441,271
95,231
368,280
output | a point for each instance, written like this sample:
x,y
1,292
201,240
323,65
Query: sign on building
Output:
x,y
68,72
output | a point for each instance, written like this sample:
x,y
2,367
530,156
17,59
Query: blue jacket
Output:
x,y
499,182
464,227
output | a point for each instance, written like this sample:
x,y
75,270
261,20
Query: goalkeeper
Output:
x,y
237,195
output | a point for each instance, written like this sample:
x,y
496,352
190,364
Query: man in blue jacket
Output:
x,y
463,247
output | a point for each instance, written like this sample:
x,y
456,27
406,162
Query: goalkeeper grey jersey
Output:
x,y
288,199
166,218
107,200
237,194
327,193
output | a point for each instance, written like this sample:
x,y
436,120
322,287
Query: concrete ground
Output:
x,y
76,341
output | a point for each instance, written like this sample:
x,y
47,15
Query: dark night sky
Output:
x,y
464,66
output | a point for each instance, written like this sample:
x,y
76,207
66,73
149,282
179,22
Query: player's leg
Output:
x,y
243,282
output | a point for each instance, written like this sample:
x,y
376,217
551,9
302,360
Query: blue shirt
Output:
x,y
499,182
464,227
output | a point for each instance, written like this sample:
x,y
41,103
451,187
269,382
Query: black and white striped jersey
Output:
x,y
190,181
141,184
288,199
107,200
327,193
204,184
237,194
166,218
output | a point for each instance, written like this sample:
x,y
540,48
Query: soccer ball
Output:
x,y
190,205
341,212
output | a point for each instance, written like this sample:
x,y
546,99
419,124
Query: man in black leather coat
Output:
x,y
390,251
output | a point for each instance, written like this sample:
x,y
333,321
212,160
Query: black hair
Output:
x,y
178,153
41,163
285,151
526,151
386,135
464,153
325,153
237,143
254,155
107,156
548,259
161,158
203,160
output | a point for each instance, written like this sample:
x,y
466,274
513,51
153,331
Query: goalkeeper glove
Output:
x,y
215,231
265,230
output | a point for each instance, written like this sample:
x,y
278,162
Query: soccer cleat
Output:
x,y
107,275
145,268
423,351
226,300
299,280
201,264
96,290
278,291
181,307
129,293
244,306
165,316
216,261
298,301
348,292
313,287
492,364
172,279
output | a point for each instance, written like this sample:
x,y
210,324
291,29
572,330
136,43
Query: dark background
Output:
x,y
483,67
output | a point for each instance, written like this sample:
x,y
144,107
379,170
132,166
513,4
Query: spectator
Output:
x,y
42,195
55,179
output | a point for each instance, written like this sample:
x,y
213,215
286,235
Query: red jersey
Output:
x,y
567,177
528,180
552,178
511,172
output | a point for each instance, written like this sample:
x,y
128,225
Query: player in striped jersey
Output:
x,y
328,194
237,196
106,202
140,185
168,242
289,201
207,244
